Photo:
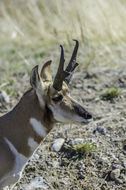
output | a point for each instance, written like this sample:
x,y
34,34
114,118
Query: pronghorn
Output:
x,y
46,103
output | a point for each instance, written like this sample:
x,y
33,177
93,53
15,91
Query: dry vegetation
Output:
x,y
28,29
30,33
29,22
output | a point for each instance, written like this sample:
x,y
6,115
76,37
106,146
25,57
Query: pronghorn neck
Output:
x,y
30,107
28,123
48,102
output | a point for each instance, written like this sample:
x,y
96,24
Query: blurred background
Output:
x,y
33,29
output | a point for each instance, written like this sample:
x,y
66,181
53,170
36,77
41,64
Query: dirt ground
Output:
x,y
56,170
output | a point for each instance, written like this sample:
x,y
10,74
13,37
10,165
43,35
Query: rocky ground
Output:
x,y
105,167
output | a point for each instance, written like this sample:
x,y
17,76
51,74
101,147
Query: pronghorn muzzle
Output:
x,y
82,112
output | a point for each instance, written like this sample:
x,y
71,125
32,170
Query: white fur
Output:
x,y
32,144
59,114
38,127
66,117
20,161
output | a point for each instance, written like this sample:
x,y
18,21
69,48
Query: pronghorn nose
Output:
x,y
89,116
81,111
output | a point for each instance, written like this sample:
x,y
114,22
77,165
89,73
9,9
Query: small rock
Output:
x,y
118,181
37,182
36,156
4,97
93,173
124,164
117,139
55,164
76,141
57,144
105,159
123,177
97,99
115,174
100,129
79,85
116,166
113,156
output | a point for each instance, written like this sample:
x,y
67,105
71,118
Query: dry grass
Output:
x,y
32,30
29,22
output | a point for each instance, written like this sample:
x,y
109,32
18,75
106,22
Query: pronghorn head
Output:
x,y
55,95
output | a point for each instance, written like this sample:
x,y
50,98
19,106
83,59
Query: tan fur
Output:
x,y
30,107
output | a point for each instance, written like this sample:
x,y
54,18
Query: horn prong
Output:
x,y
72,64
73,57
66,75
61,74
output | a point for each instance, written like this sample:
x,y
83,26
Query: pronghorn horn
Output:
x,y
61,74
72,64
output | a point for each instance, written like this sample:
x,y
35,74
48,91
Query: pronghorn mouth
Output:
x,y
87,121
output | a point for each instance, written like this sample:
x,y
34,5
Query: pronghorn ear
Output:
x,y
46,74
34,78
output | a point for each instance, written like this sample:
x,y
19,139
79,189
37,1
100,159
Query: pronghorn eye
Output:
x,y
57,98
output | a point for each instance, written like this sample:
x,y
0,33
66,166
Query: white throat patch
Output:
x,y
32,144
60,115
15,173
38,127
